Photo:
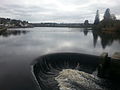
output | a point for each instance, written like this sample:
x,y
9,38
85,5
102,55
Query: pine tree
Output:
x,y
107,15
97,20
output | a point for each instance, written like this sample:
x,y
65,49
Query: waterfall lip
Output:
x,y
59,53
46,67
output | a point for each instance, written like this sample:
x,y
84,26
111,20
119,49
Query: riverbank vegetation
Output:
x,y
109,24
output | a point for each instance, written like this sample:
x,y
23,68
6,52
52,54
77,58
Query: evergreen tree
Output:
x,y
107,15
86,22
97,20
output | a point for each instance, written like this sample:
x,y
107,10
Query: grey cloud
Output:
x,y
50,12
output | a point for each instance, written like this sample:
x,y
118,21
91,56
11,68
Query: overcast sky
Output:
x,y
57,10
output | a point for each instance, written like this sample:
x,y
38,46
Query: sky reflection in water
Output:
x,y
47,40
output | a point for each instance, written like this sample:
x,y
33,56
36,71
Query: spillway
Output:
x,y
69,71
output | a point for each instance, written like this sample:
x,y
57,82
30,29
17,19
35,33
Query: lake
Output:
x,y
19,47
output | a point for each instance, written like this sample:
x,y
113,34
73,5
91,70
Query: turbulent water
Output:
x,y
70,79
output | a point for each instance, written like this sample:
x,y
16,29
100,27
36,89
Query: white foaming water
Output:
x,y
69,79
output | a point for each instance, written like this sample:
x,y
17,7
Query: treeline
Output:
x,y
109,22
86,24
13,23
61,25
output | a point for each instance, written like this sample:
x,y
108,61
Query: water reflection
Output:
x,y
85,31
95,38
107,39
13,32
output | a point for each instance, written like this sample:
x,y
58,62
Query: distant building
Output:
x,y
13,22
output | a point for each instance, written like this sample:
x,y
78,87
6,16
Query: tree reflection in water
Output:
x,y
85,31
106,38
13,32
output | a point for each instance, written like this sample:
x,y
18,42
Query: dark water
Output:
x,y
19,47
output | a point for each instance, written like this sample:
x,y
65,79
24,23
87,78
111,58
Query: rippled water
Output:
x,y
20,46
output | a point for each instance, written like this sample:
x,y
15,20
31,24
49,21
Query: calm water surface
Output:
x,y
19,47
